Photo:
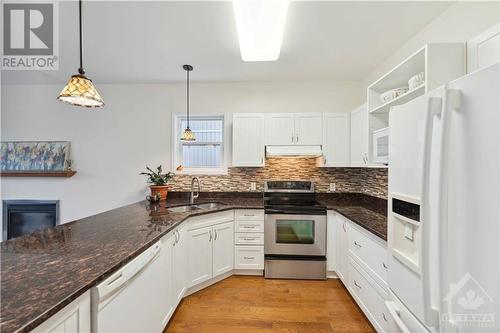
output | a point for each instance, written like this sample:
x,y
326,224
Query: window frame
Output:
x,y
176,145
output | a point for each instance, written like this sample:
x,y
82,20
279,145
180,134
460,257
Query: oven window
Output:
x,y
295,231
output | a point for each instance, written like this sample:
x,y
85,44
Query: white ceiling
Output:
x,y
148,42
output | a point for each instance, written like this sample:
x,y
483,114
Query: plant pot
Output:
x,y
162,190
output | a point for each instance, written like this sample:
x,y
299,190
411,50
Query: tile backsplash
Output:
x,y
372,181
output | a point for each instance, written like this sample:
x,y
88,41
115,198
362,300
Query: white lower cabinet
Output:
x,y
74,318
165,287
249,241
209,252
360,263
223,243
179,264
199,249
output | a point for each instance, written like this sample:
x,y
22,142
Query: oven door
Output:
x,y
299,235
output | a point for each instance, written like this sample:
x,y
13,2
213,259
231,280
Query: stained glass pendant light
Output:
x,y
187,135
80,91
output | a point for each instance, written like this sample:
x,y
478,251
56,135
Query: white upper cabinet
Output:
x,y
248,139
308,129
336,137
359,137
294,129
280,129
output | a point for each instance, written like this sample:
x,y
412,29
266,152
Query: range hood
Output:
x,y
293,151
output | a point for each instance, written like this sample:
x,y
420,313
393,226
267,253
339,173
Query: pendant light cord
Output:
x,y
187,93
80,70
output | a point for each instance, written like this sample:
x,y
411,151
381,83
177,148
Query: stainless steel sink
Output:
x,y
211,205
183,209
190,208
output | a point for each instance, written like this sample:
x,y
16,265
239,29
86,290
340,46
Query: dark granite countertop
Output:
x,y
44,271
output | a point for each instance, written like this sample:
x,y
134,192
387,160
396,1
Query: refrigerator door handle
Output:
x,y
434,109
394,312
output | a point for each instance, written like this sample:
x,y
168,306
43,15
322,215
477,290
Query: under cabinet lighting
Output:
x,y
260,25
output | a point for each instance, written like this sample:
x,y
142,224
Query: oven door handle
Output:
x,y
269,211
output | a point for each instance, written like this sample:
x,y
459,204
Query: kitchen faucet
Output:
x,y
193,196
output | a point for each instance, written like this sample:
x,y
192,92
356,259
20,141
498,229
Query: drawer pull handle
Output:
x,y
357,244
248,258
385,266
248,239
249,215
383,316
356,284
248,227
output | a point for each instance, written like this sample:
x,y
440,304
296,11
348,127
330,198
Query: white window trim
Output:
x,y
200,171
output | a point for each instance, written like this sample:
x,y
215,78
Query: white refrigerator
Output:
x,y
444,208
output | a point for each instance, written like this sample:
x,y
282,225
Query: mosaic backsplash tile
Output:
x,y
371,181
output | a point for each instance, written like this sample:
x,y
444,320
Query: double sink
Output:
x,y
194,207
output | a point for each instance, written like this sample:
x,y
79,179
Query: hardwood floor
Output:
x,y
242,304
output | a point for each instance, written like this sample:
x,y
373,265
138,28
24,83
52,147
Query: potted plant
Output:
x,y
159,182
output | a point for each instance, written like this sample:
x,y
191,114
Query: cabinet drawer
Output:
x,y
249,226
248,257
372,255
370,297
244,238
249,215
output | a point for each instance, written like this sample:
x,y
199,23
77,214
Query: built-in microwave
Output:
x,y
381,146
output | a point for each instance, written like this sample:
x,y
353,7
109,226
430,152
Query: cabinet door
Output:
x,y
280,129
199,255
248,140
336,137
342,248
331,241
165,285
359,136
179,265
74,318
308,129
223,248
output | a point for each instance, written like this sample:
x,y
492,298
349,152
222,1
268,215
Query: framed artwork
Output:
x,y
34,155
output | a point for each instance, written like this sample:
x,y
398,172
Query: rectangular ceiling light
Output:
x,y
260,25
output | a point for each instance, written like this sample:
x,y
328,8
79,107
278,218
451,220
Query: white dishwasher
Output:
x,y
134,299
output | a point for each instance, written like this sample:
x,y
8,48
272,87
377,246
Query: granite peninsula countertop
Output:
x,y
44,271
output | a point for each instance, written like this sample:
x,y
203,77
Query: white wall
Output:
x,y
460,22
111,146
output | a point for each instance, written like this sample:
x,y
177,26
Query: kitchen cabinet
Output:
x,y
342,246
359,137
331,241
223,254
249,241
165,287
199,248
336,138
294,129
210,247
73,318
179,264
248,140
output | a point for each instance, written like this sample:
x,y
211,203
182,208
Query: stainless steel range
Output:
x,y
294,232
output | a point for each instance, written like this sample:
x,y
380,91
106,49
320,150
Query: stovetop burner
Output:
x,y
291,197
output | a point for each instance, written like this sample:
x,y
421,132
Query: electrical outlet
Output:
x,y
333,187
253,186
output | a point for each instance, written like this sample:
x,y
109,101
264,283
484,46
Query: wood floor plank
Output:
x,y
245,304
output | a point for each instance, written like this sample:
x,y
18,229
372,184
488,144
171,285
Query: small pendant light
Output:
x,y
187,135
80,91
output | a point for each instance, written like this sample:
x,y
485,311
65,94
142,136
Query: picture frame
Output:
x,y
34,156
